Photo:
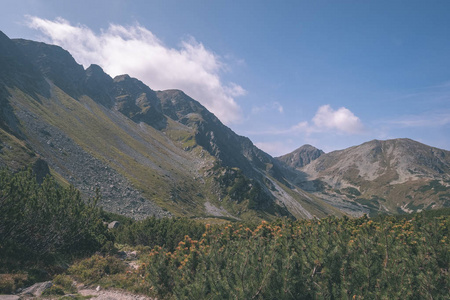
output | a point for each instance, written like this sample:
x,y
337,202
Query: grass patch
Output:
x,y
14,153
65,283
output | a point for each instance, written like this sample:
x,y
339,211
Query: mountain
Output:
x,y
162,153
393,176
147,152
301,157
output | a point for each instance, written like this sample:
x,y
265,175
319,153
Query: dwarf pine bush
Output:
x,y
39,222
316,259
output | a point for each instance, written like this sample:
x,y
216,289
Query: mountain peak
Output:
x,y
122,77
95,69
55,63
301,156
386,175
98,85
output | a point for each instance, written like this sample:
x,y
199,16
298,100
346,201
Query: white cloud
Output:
x,y
301,127
136,51
326,120
342,120
329,120
322,127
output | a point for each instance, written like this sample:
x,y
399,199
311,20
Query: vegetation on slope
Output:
x,y
14,153
144,155
394,257
320,259
41,223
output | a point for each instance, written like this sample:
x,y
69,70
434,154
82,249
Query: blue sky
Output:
x,y
332,74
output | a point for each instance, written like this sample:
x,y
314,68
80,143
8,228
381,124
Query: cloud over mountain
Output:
x,y
342,120
329,120
136,51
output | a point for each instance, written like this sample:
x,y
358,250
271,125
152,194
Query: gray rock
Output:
x,y
113,224
37,289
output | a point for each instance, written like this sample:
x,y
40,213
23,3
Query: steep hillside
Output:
x,y
398,175
149,153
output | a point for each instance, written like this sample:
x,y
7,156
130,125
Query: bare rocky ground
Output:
x,y
85,172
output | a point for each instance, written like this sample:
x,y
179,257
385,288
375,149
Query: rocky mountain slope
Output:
x,y
147,152
301,157
162,153
393,176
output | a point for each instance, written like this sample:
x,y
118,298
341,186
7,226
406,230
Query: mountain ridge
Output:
x,y
391,176
163,153
118,135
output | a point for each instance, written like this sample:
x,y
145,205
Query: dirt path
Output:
x,y
111,294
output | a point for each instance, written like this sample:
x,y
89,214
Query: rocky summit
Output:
x,y
162,153
393,176
301,157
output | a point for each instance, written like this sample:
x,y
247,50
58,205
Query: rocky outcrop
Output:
x,y
37,289
113,224
40,169
54,63
98,85
137,101
219,140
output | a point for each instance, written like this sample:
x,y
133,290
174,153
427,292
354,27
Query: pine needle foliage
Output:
x,y
329,258
165,232
41,222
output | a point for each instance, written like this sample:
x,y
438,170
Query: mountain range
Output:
x,y
162,153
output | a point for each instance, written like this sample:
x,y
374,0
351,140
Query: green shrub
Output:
x,y
65,282
166,232
316,259
40,222
92,269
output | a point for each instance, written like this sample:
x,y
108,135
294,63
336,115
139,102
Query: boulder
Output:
x,y
113,224
37,289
